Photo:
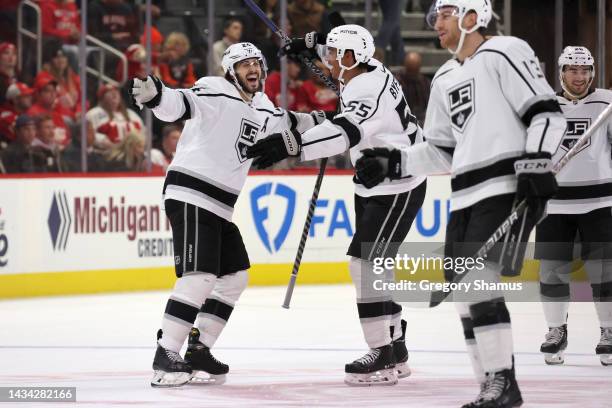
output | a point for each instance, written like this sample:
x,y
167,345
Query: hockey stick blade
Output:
x,y
438,297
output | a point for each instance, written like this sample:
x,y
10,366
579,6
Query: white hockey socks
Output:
x,y
374,307
182,308
216,310
555,291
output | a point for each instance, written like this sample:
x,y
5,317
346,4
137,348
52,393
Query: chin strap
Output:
x,y
567,91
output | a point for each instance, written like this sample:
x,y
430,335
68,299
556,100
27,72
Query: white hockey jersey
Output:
x,y
585,183
483,115
210,165
374,113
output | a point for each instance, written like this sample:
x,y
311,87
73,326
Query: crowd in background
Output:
x,y
40,110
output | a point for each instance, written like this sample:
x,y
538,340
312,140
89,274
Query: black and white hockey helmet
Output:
x,y
575,56
482,8
240,52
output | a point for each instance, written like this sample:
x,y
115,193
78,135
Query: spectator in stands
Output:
x,y
46,152
176,69
296,96
232,32
129,154
113,21
46,102
18,157
415,85
307,16
136,56
111,120
390,32
8,67
55,62
157,42
170,137
318,95
261,30
18,101
60,19
72,154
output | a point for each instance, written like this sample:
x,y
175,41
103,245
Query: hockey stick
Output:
x,y
285,38
315,193
438,297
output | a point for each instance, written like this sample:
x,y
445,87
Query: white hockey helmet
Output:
x,y
575,55
240,52
347,37
482,8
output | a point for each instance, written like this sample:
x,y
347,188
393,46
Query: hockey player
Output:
x,y
493,122
583,204
224,115
374,113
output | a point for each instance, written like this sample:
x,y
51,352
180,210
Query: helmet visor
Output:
x,y
443,13
327,54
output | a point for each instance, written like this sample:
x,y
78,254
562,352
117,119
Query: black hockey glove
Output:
x,y
274,148
536,182
146,92
377,164
299,45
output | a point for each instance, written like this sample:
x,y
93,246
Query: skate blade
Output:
x,y
204,378
605,359
402,370
381,377
554,358
163,379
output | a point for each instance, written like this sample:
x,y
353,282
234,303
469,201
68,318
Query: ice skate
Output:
x,y
170,370
377,367
604,348
500,390
206,368
555,345
400,353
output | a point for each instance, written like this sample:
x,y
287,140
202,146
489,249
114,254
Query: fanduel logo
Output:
x,y
263,198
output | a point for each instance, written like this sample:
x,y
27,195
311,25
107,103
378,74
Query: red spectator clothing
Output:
x,y
178,74
320,98
112,131
296,97
8,116
62,131
69,103
9,5
113,24
5,82
60,20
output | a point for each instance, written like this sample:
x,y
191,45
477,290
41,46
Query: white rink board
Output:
x,y
48,223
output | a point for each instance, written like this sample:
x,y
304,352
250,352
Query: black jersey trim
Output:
x,y
544,134
584,192
178,178
546,106
321,140
271,112
602,102
448,150
377,100
187,114
511,64
351,130
471,178
219,95
292,119
438,76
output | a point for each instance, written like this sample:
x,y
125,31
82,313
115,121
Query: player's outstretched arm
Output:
x,y
167,104
421,159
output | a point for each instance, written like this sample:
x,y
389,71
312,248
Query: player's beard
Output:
x,y
245,86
